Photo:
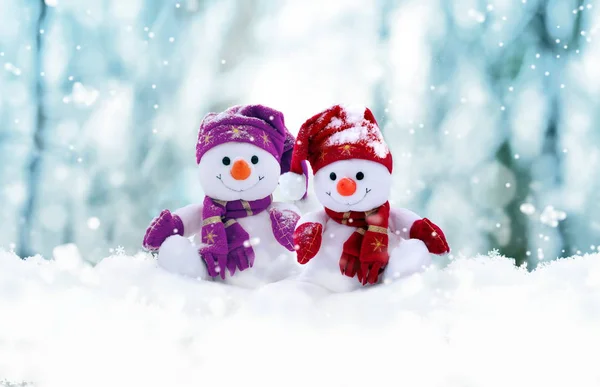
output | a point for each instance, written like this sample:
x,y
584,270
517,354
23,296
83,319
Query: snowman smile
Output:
x,y
239,190
367,190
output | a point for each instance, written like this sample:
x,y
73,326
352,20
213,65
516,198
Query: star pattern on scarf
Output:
x,y
210,237
346,149
378,245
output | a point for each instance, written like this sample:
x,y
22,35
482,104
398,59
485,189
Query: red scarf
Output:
x,y
366,251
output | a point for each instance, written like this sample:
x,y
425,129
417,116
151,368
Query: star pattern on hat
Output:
x,y
210,237
236,132
346,149
207,138
322,156
378,245
266,139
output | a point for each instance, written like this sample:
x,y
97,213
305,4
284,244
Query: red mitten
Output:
x,y
307,241
431,235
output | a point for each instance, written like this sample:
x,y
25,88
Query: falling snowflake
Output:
x,y
252,242
120,250
527,208
551,216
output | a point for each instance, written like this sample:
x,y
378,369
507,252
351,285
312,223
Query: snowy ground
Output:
x,y
478,322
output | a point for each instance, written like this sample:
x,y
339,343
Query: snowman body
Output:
x,y
370,183
233,172
407,257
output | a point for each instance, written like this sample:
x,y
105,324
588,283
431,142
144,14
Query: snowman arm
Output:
x,y
314,217
401,221
191,216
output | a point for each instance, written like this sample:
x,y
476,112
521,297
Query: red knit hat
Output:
x,y
338,134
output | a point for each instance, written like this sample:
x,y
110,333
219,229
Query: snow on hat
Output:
x,y
338,133
253,124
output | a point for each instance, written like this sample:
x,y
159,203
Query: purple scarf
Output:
x,y
225,241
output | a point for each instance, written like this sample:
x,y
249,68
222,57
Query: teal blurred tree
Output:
x,y
490,108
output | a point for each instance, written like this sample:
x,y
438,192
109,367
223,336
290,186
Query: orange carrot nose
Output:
x,y
240,170
346,187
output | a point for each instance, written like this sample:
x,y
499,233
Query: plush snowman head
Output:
x,y
353,185
350,159
234,171
242,151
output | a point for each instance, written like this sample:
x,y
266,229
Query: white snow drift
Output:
x,y
125,322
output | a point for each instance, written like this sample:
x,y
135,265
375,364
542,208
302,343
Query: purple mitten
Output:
x,y
283,223
162,227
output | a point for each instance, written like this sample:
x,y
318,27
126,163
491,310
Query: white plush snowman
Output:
x,y
238,234
357,239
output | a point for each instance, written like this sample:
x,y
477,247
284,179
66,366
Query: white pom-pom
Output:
x,y
292,186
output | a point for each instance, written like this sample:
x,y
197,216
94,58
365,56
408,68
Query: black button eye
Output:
x,y
332,176
360,176
254,159
226,160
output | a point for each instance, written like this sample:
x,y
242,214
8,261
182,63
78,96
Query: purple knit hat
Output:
x,y
253,124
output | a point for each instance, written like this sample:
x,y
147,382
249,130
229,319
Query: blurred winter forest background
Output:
x,y
491,108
